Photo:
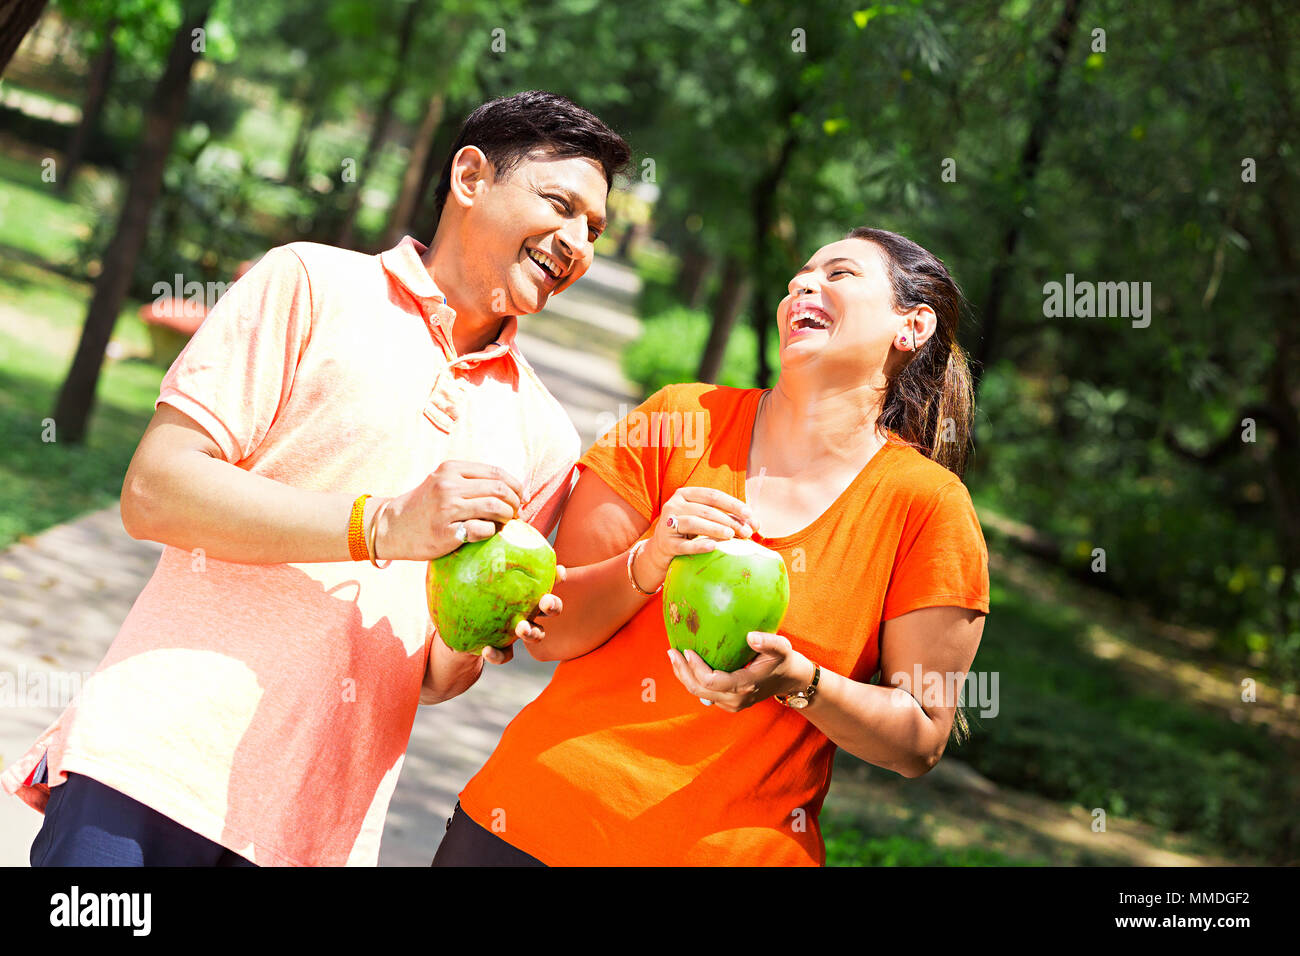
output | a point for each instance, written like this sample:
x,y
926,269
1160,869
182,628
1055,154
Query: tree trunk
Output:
x,y
763,205
1030,157
383,119
16,18
691,276
296,170
426,223
101,74
166,107
726,307
399,222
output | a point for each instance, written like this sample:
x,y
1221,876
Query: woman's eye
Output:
x,y
841,272
560,204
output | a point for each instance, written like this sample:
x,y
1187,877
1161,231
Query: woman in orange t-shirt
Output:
x,y
849,469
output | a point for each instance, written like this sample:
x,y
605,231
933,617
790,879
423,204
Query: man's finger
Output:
x,y
478,469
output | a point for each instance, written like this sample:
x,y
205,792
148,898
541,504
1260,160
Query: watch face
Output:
x,y
798,703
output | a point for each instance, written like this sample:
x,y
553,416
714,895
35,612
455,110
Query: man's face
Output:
x,y
533,231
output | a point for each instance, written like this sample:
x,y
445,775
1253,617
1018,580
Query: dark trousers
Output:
x,y
468,844
89,824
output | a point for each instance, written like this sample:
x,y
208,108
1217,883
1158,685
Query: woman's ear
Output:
x,y
470,169
918,326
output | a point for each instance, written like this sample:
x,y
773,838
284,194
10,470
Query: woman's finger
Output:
x,y
739,525
683,673
498,655
692,525
716,499
550,605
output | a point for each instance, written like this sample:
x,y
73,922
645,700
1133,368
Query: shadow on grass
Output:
x,y
43,483
1073,727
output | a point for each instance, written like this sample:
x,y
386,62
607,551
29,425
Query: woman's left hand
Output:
x,y
778,669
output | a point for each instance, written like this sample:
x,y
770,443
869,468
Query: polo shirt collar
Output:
x,y
404,263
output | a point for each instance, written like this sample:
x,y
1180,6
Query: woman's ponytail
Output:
x,y
930,400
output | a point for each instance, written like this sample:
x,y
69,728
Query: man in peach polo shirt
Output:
x,y
256,704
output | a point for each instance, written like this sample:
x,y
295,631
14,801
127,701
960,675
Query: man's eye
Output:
x,y
841,272
560,204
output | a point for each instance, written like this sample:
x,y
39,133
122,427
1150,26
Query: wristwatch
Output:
x,y
802,699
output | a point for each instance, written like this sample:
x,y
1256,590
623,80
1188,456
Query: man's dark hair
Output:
x,y
510,128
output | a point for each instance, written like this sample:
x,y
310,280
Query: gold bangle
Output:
x,y
356,531
631,556
374,532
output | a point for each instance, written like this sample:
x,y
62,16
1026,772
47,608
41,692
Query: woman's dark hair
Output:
x,y
509,128
930,401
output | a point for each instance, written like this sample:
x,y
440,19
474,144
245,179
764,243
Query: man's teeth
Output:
x,y
546,262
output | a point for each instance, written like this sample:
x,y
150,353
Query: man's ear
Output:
x,y
470,172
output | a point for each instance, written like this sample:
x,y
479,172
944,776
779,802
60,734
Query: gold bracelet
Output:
x,y
356,531
374,532
631,556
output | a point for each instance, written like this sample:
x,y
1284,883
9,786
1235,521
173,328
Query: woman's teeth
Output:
x,y
805,319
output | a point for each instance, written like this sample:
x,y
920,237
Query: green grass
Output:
x,y
1076,728
849,844
43,307
34,218
44,483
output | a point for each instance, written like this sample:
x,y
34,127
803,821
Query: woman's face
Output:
x,y
839,310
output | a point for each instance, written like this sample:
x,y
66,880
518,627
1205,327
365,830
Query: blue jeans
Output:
x,y
89,824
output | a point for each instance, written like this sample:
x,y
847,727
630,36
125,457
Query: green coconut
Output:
x,y
480,592
713,600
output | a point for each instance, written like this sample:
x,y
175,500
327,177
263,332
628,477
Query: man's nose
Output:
x,y
573,237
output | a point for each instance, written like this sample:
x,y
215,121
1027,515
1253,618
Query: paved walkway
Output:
x,y
65,593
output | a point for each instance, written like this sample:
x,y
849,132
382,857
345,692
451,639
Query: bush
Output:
x,y
670,347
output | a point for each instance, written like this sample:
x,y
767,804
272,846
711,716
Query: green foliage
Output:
x,y
670,346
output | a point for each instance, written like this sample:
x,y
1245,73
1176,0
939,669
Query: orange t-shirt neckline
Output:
x,y
740,447
616,763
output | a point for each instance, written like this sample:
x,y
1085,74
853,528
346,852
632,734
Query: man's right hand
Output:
x,y
421,524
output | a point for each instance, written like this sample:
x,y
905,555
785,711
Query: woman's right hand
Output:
x,y
701,517
421,524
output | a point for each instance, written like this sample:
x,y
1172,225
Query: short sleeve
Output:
x,y
631,457
236,371
942,559
542,510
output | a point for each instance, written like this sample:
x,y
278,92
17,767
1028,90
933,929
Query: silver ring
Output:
x,y
462,533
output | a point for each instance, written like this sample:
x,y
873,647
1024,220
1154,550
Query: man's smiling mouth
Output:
x,y
549,266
